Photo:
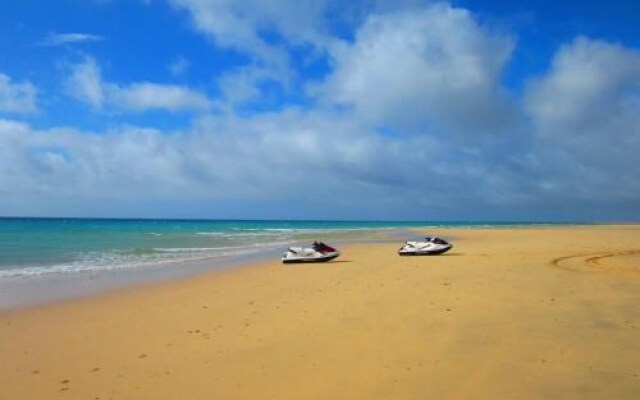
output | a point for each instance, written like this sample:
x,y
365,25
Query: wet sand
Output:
x,y
517,313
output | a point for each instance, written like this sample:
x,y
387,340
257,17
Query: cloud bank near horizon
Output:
x,y
409,118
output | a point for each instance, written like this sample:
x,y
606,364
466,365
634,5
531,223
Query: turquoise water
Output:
x,y
38,246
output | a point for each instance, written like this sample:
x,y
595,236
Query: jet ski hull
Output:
x,y
432,252
299,260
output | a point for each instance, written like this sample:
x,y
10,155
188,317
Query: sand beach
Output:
x,y
508,313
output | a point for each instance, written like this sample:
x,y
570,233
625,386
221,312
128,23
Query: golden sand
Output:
x,y
524,313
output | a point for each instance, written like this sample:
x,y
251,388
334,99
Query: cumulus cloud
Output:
x,y
411,120
589,82
66,163
293,159
60,39
242,85
435,65
585,116
243,26
85,83
17,97
270,33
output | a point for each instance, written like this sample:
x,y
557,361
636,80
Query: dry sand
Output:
x,y
524,313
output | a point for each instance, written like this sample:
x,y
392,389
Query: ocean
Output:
x,y
44,246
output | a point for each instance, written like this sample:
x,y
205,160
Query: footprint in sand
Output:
x,y
66,385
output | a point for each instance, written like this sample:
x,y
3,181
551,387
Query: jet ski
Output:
x,y
430,246
318,252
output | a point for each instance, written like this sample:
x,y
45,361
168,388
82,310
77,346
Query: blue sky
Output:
x,y
313,109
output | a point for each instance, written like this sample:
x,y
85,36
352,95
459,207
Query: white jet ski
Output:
x,y
318,252
430,246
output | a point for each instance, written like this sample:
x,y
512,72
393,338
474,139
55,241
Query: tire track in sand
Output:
x,y
595,262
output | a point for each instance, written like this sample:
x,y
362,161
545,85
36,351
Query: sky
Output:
x,y
321,109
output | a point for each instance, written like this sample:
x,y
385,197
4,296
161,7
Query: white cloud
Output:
x,y
85,83
585,115
179,66
60,39
17,97
241,25
144,96
292,158
268,32
241,85
590,81
393,132
434,65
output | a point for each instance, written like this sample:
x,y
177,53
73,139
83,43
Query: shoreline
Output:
x,y
527,313
28,291
24,292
